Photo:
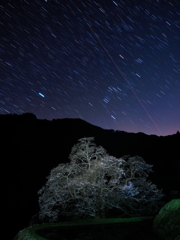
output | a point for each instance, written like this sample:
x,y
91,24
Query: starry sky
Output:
x,y
115,64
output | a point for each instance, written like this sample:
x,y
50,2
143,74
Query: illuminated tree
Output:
x,y
93,183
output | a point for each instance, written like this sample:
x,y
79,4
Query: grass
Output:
x,y
30,233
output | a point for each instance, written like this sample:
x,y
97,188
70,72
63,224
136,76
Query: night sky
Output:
x,y
115,64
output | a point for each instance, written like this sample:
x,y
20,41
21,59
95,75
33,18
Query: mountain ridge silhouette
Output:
x,y
31,147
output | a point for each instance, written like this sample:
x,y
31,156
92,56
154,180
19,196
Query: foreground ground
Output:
x,y
104,229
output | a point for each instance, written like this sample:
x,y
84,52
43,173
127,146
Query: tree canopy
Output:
x,y
93,184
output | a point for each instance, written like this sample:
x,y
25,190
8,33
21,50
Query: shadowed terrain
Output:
x,y
31,147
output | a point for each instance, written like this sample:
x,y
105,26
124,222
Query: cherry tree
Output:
x,y
94,183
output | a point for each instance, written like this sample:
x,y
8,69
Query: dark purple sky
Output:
x,y
115,64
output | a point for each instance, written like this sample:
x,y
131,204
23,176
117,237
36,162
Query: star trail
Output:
x,y
115,64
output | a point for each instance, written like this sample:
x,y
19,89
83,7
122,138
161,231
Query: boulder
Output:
x,y
167,222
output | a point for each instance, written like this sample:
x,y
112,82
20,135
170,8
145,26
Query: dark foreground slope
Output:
x,y
30,148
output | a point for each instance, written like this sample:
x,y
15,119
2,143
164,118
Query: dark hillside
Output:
x,y
30,148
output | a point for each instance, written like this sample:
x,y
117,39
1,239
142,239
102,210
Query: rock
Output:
x,y
167,222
